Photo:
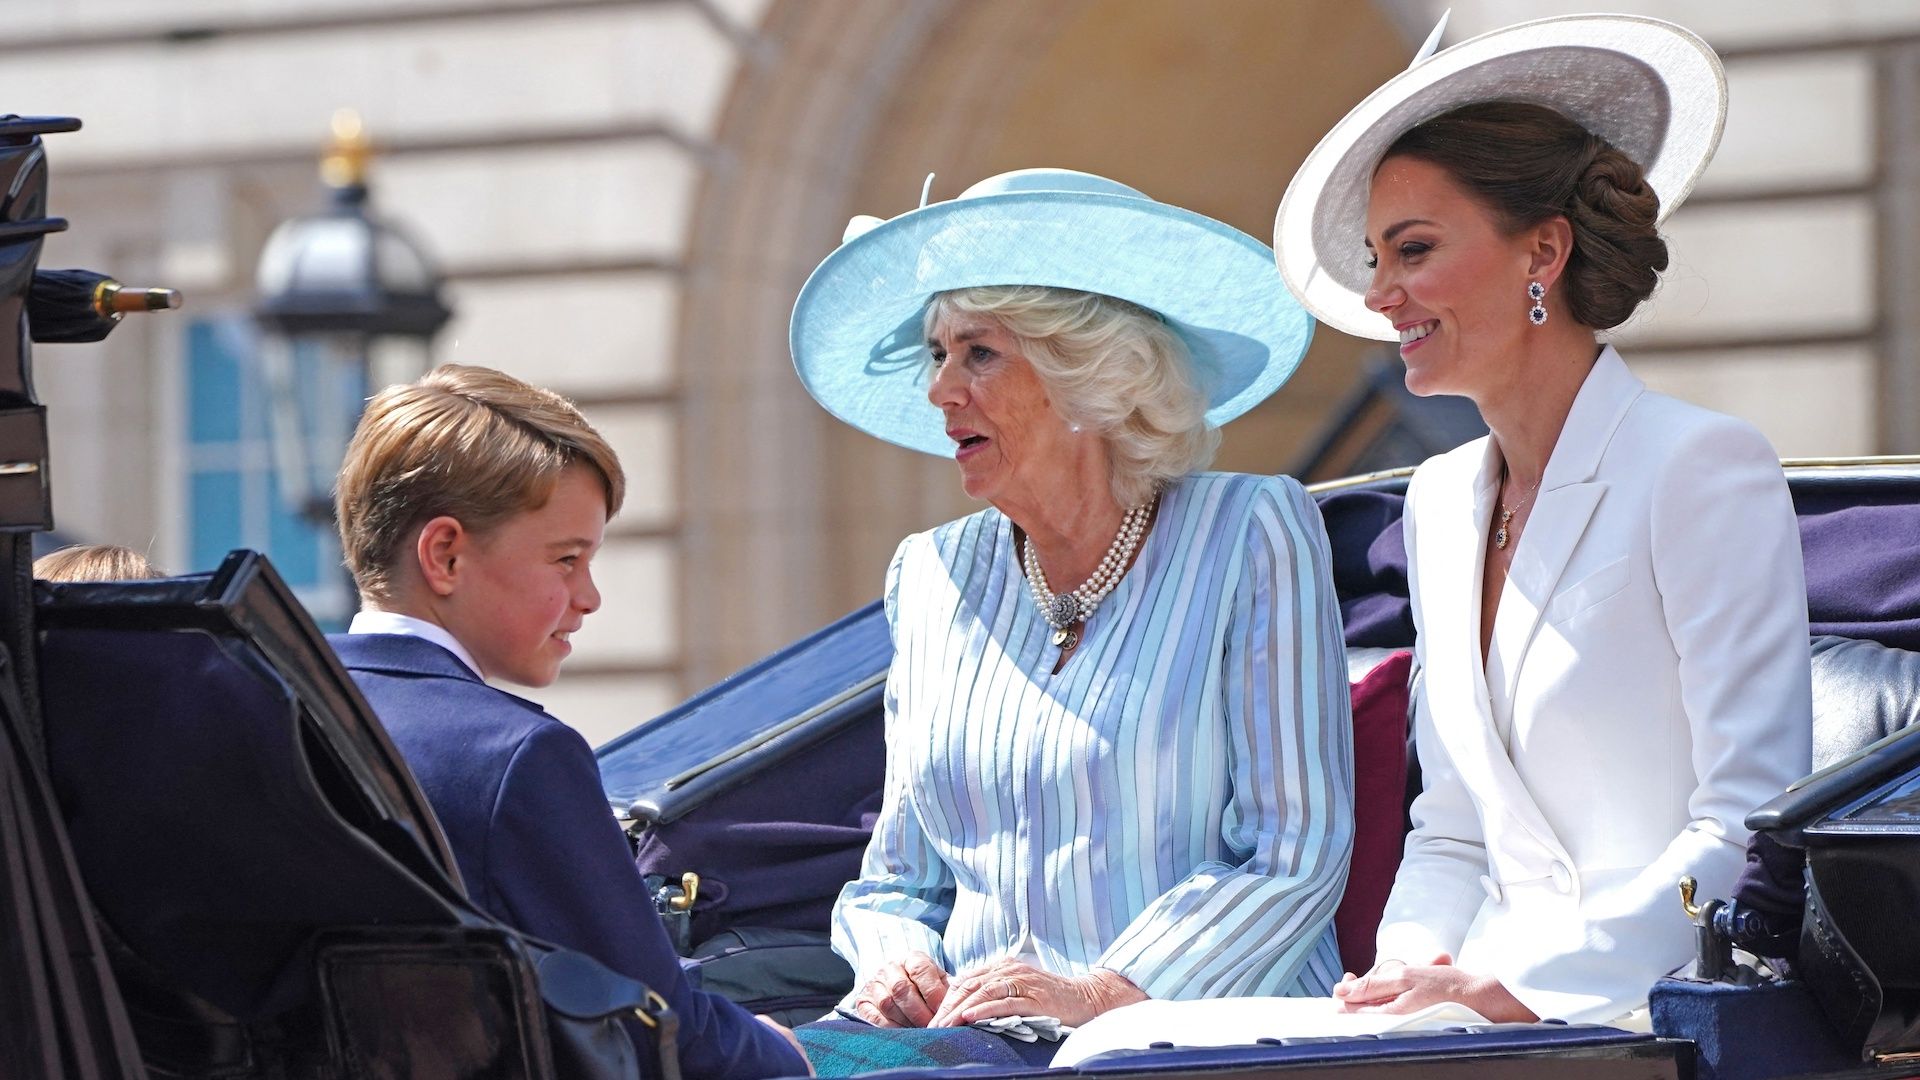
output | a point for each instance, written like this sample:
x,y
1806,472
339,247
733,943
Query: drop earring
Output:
x,y
1537,314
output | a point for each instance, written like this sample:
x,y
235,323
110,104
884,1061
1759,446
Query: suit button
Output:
x,y
1491,886
1562,877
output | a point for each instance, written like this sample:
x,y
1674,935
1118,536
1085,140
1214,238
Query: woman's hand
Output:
x,y
1011,988
1394,986
906,994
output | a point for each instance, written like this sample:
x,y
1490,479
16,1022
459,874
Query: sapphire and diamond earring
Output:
x,y
1538,313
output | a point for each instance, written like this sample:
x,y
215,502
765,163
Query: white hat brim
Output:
x,y
1652,89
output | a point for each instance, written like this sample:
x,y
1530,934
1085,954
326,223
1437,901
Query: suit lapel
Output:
x,y
1456,678
1453,537
1562,515
1456,673
1569,495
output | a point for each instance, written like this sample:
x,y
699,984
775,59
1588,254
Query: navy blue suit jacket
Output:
x,y
518,794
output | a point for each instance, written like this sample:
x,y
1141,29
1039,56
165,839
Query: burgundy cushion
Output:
x,y
1379,810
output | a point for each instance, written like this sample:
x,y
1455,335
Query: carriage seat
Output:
x,y
1863,691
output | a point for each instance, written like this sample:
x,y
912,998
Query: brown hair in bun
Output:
x,y
1529,163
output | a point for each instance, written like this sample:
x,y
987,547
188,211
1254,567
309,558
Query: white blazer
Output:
x,y
1647,686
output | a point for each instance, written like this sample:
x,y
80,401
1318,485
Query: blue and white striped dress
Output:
x,y
1175,805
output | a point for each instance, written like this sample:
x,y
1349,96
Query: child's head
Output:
x,y
94,562
476,501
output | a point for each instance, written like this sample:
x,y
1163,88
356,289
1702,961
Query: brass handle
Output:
x,y
1687,887
689,890
112,299
650,1012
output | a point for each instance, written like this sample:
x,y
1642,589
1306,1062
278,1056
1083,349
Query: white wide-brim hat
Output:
x,y
861,351
1652,89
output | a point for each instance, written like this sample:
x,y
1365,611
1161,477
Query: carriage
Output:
x,y
216,865
747,806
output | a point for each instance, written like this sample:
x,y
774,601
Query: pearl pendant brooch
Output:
x,y
1063,611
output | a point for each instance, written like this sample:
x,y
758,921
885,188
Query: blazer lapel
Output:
x,y
1453,538
1462,711
1559,520
1456,673
1568,497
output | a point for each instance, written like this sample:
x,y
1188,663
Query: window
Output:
x,y
266,429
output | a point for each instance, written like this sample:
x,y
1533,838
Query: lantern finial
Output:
x,y
345,163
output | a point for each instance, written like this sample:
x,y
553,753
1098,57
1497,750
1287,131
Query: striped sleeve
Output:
x,y
1253,926
901,901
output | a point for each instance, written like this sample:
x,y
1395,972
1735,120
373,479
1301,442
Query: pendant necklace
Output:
x,y
1500,535
1062,610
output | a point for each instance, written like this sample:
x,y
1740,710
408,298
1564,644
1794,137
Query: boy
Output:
x,y
470,506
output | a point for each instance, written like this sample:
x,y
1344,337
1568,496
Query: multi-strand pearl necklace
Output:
x,y
1062,610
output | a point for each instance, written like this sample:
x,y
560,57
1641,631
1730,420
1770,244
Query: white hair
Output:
x,y
1111,366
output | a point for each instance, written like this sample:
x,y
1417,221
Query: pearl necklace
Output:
x,y
1062,610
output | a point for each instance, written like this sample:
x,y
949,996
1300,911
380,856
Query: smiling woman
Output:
x,y
1597,660
1506,194
1119,758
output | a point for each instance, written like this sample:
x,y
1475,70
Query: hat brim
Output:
x,y
858,342
1652,89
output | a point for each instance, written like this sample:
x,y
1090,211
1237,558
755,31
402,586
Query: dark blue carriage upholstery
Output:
x,y
780,859
275,893
1754,1032
1482,1050
765,785
160,737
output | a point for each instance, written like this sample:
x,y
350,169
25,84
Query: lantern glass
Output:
x,y
324,254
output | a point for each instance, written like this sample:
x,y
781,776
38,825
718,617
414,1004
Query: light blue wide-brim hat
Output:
x,y
857,336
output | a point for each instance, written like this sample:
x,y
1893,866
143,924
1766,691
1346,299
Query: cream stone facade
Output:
x,y
625,195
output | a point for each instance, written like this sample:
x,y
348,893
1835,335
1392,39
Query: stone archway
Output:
x,y
843,107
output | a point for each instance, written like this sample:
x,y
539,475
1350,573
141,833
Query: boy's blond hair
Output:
x,y
94,562
470,443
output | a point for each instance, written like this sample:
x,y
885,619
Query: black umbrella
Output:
x,y
80,305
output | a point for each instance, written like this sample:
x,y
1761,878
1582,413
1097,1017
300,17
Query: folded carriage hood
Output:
x,y
746,722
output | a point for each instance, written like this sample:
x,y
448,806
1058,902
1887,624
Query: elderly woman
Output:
x,y
1607,589
1118,749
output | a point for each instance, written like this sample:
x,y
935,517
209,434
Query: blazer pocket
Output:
x,y
1588,591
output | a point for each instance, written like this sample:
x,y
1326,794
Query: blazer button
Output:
x,y
1562,877
1491,886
